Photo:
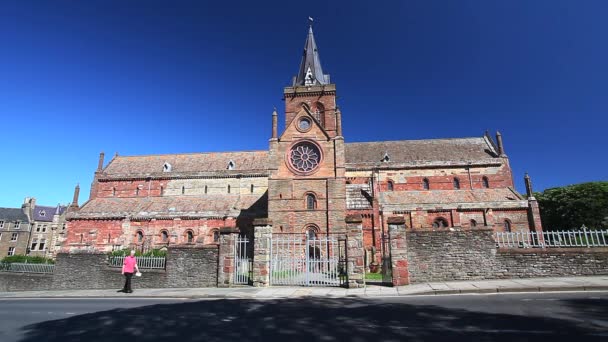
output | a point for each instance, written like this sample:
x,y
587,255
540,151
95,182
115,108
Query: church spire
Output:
x,y
310,73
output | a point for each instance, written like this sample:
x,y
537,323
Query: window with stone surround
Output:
x,y
113,191
390,185
183,190
139,236
251,188
164,236
425,184
485,182
311,202
17,225
38,227
1,224
311,232
440,222
507,225
14,236
456,183
11,251
44,228
216,236
42,244
34,245
473,223
228,188
189,236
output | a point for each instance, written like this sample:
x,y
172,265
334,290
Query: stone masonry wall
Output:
x,y
472,254
192,267
22,281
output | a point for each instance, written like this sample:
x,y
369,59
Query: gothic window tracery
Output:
x,y
305,157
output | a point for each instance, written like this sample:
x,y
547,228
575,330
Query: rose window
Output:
x,y
305,157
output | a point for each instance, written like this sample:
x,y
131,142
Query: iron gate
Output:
x,y
297,259
242,261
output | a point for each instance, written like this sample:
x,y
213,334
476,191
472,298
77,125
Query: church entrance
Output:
x,y
308,260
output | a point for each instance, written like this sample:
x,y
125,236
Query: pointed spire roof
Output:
x,y
310,72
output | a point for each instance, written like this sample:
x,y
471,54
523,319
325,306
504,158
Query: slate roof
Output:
x,y
170,206
12,214
49,212
420,152
406,200
191,163
310,59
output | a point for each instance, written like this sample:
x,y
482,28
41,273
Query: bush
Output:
x,y
27,259
152,253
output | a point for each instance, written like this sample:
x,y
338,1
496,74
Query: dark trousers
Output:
x,y
128,277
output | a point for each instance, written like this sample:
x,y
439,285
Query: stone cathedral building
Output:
x,y
307,182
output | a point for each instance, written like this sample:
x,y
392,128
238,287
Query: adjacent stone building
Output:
x,y
14,230
307,182
48,228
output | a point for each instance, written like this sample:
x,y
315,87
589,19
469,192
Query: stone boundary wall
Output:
x,y
186,267
472,255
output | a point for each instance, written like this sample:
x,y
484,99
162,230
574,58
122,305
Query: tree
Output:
x,y
570,207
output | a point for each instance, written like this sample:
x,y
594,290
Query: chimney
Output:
x,y
274,123
501,150
528,185
100,165
338,122
74,204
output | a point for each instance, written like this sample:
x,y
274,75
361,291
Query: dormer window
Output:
x,y
231,165
386,158
167,167
308,79
42,213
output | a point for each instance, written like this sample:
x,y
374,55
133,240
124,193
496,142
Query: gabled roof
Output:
x,y
310,61
190,163
12,214
431,199
167,207
427,152
45,213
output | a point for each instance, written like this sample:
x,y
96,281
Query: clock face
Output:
x,y
304,124
304,157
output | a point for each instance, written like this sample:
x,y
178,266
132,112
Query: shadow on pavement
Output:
x,y
305,319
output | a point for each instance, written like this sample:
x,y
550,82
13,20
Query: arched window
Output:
x,y
456,183
425,184
205,189
390,185
507,224
311,202
164,236
320,113
216,236
440,222
485,182
137,191
473,223
162,191
190,236
311,233
139,236
183,190
113,192
251,188
228,188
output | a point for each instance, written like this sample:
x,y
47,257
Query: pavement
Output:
x,y
595,283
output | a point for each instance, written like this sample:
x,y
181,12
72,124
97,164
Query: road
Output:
x,y
497,317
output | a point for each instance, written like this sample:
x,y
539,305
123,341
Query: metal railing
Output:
x,y
242,262
566,238
23,267
142,262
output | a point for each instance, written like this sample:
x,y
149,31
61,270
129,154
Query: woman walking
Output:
x,y
129,266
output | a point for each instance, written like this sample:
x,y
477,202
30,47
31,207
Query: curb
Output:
x,y
513,290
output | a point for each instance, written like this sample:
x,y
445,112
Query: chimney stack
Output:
x,y
74,204
274,123
501,150
100,164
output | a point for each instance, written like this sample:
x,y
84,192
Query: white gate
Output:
x,y
297,259
242,261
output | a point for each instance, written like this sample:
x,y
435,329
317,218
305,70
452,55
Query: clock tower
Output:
x,y
306,186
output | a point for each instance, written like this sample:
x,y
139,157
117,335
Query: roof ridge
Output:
x,y
426,139
188,153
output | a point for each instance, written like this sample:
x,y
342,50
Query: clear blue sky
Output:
x,y
147,77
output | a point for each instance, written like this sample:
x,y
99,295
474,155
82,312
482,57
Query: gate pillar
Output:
x,y
398,252
261,252
355,250
225,274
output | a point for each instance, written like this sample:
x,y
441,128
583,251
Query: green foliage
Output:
x,y
373,276
570,207
152,252
28,259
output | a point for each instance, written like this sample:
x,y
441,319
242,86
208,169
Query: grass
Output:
x,y
373,276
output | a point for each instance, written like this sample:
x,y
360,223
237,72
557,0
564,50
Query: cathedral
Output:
x,y
307,182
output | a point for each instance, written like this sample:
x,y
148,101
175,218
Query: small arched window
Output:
x,y
473,223
425,184
205,189
311,233
216,236
164,236
440,222
389,185
485,182
137,191
231,165
190,236
162,191
113,192
311,202
183,190
251,188
507,225
456,183
228,188
139,236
